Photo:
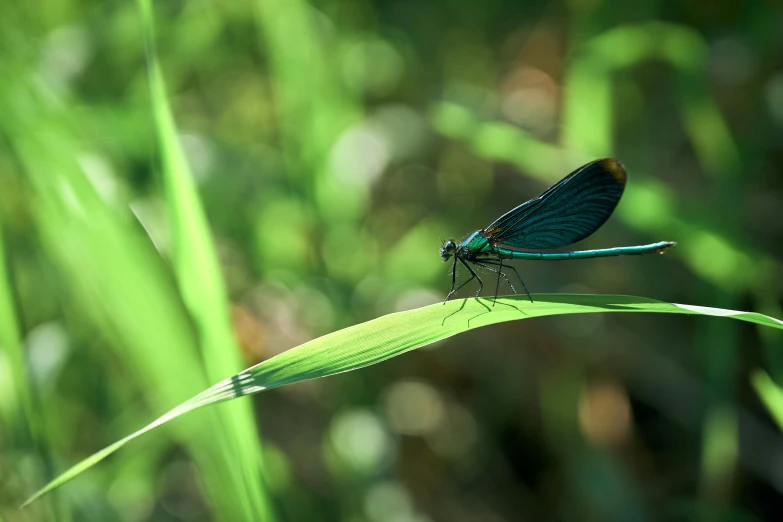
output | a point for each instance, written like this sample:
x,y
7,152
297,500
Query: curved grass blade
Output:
x,y
204,295
394,334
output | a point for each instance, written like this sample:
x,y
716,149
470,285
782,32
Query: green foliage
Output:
x,y
392,335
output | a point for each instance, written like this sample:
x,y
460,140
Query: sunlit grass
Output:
x,y
392,335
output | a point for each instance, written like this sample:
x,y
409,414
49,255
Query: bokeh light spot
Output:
x,y
647,206
372,66
414,408
47,349
389,501
457,435
360,154
716,259
774,92
361,440
605,414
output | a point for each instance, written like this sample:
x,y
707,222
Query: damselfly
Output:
x,y
567,212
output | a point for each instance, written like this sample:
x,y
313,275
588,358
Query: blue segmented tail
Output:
x,y
653,248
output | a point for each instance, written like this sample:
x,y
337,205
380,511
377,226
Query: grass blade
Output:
x,y
201,284
394,334
770,393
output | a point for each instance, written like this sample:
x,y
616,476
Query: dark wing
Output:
x,y
568,211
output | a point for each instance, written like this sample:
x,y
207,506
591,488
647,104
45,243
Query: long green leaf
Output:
x,y
771,394
391,335
203,292
115,278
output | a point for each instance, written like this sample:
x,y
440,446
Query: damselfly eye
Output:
x,y
447,250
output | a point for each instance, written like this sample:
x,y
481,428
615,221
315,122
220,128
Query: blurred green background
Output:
x,y
318,155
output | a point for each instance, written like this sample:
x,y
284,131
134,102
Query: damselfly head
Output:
x,y
447,249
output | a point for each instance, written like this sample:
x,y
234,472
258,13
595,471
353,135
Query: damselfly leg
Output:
x,y
473,275
499,263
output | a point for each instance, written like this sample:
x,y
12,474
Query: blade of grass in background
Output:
x,y
201,285
113,273
771,394
394,334
21,424
17,401
591,77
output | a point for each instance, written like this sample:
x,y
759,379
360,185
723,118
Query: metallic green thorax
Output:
x,y
476,244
